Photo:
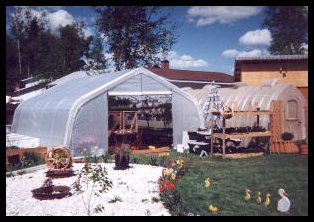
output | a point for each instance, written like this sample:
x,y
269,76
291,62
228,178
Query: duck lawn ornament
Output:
x,y
283,204
207,183
267,200
247,196
258,198
212,209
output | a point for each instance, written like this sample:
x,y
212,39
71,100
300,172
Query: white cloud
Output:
x,y
185,61
235,53
206,15
60,18
257,37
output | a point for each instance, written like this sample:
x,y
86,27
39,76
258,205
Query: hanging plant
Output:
x,y
287,136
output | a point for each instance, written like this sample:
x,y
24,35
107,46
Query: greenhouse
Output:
x,y
75,113
241,97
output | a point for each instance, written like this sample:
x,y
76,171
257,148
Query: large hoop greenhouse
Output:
x,y
77,110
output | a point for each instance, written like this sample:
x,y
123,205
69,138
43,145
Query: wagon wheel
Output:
x,y
58,158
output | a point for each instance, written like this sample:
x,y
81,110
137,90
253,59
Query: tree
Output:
x,y
91,181
26,27
73,45
11,63
135,35
289,28
95,56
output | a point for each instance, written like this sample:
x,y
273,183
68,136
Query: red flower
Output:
x,y
161,188
169,185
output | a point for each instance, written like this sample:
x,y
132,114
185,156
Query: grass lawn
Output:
x,y
230,177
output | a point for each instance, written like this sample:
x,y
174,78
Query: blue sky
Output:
x,y
210,37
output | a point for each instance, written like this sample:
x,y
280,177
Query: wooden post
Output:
x,y
257,123
212,134
257,117
223,137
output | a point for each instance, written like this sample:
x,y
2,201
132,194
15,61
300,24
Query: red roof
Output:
x,y
176,74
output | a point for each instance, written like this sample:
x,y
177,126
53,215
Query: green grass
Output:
x,y
230,177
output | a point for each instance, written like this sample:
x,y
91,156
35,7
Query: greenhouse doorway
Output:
x,y
293,120
144,120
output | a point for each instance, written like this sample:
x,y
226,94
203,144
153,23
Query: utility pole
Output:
x,y
18,42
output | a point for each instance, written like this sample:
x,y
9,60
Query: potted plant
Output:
x,y
287,136
303,148
47,186
122,156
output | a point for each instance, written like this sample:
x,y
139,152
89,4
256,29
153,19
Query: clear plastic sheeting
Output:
x,y
90,125
75,113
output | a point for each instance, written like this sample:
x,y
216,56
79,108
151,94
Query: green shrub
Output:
x,y
172,201
162,161
135,159
153,160
106,158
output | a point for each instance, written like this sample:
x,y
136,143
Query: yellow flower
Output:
x,y
173,176
180,163
165,172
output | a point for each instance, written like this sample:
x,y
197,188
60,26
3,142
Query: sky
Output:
x,y
209,37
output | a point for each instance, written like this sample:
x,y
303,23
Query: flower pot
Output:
x,y
47,189
121,162
303,149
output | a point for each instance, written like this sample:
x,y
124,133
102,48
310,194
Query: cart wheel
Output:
x,y
58,158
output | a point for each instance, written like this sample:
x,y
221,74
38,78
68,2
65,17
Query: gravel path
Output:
x,y
135,186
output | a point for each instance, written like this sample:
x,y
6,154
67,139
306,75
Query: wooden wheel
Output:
x,y
58,158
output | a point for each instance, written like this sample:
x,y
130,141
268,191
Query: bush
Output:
x,y
287,136
135,160
106,158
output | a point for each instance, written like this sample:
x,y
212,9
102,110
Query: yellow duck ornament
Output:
x,y
212,209
267,200
207,182
258,198
247,196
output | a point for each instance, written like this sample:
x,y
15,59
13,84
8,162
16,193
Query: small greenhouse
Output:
x,y
76,112
244,98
